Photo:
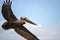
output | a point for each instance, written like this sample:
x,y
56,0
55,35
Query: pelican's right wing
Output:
x,y
7,12
25,33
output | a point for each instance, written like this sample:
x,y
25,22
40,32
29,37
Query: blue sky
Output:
x,y
44,12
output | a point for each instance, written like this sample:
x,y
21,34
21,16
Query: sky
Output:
x,y
43,12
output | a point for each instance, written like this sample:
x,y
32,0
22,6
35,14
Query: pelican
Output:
x,y
13,23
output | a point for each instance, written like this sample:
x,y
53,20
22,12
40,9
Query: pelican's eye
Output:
x,y
23,17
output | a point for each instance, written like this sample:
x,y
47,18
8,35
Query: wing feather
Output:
x,y
7,12
25,33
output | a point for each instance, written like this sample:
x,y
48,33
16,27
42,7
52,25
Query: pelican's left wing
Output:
x,y
25,33
7,12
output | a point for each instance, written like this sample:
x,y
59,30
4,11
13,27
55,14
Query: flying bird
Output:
x,y
13,23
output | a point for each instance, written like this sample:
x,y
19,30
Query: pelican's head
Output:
x,y
27,20
23,18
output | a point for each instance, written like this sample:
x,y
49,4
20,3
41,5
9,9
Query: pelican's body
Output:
x,y
8,25
14,23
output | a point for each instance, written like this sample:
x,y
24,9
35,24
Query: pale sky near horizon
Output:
x,y
42,12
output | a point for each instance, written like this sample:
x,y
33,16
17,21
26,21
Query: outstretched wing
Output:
x,y
7,12
25,33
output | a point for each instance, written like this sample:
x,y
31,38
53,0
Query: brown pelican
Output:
x,y
14,23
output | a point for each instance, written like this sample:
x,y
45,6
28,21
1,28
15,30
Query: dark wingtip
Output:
x,y
7,3
4,1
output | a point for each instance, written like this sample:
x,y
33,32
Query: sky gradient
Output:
x,y
43,12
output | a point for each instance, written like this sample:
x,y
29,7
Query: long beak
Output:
x,y
27,20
